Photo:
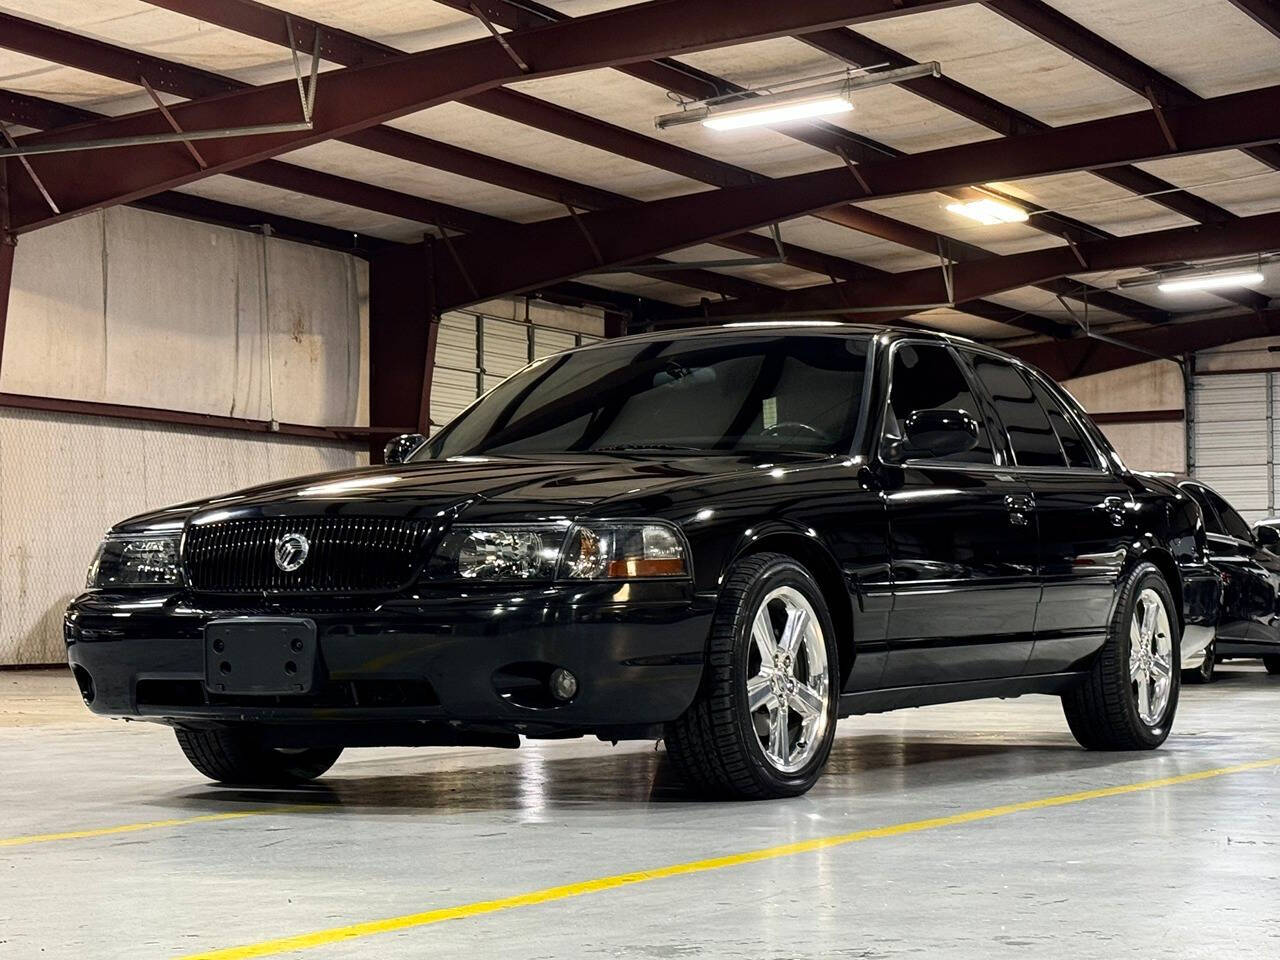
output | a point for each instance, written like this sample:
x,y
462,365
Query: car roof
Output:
x,y
798,327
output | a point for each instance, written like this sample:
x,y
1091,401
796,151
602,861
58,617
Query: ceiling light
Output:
x,y
793,100
989,211
1210,281
758,117
1240,272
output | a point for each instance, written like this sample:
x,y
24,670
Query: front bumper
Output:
x,y
444,657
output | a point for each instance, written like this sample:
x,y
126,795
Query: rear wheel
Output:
x,y
763,723
238,757
1204,673
1272,663
1129,698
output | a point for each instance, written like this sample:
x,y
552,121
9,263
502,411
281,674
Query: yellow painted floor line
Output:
x,y
320,938
148,825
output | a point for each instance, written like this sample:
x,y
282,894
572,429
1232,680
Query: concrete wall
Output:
x,y
1148,386
1260,354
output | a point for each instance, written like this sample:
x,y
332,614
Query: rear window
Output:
x,y
1074,445
1031,435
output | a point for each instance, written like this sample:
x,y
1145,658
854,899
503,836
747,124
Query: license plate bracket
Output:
x,y
266,656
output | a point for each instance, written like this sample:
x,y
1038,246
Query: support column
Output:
x,y
8,244
403,329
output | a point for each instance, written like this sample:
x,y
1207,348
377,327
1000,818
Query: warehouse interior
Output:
x,y
242,242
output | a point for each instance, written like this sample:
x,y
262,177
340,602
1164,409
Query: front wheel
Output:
x,y
763,723
239,758
1129,698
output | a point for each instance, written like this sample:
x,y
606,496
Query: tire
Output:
x,y
1272,663
1104,711
718,745
1206,672
238,758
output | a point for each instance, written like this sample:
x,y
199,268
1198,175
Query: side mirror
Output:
x,y
938,433
1266,535
401,448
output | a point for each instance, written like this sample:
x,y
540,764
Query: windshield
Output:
x,y
783,393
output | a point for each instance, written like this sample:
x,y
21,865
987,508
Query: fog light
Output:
x,y
563,684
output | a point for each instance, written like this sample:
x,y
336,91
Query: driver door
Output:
x,y
962,537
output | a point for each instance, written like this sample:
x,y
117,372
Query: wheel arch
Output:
x,y
1163,561
814,556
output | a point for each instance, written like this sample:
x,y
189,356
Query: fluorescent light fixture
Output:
x,y
758,117
1210,281
793,100
989,211
1224,274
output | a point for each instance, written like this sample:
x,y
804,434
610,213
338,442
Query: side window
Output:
x,y
1074,445
1231,521
1211,522
1030,434
927,377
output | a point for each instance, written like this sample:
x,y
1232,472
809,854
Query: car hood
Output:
x,y
554,485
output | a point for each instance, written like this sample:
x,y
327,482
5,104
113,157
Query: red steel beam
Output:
x,y
1082,357
256,19
1072,38
36,112
275,173
857,50
7,246
538,253
981,278
842,44
357,98
1266,12
854,49
123,411
682,79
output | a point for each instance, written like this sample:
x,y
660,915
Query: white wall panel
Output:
x,y
65,479
1231,439
477,350
133,307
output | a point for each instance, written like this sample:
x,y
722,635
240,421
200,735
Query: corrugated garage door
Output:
x,y
1233,439
474,354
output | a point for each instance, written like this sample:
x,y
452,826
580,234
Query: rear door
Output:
x,y
962,537
1082,508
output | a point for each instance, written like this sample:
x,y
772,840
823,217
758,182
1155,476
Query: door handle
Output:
x,y
1114,507
1019,506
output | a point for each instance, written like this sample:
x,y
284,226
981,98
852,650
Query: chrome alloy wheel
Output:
x,y
1151,656
789,685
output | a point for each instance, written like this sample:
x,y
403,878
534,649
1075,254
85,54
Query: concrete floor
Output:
x,y
1185,870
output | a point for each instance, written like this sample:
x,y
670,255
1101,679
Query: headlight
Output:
x,y
128,560
605,550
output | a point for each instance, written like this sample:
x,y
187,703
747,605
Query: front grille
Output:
x,y
347,555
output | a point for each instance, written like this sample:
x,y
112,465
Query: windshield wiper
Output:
x,y
656,445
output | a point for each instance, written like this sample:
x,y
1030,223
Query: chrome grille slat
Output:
x,y
348,555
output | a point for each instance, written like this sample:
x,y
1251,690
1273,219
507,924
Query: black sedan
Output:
x,y
727,539
1249,622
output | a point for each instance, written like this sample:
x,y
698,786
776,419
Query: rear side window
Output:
x,y
927,377
1034,442
1211,522
1232,522
1074,445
